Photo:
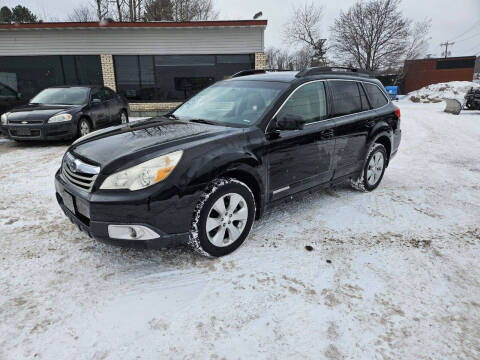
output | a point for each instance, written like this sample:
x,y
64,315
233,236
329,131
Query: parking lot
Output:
x,y
393,274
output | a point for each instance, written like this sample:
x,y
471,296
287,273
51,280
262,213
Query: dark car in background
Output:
x,y
65,112
9,98
204,172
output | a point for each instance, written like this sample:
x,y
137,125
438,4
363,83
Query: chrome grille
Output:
x,y
79,173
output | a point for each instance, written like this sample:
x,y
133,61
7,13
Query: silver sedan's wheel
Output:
x,y
124,117
375,168
227,220
84,127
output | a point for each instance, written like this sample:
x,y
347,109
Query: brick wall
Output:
x,y
260,61
141,107
108,71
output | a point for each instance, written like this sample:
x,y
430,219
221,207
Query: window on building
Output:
x,y
31,74
7,92
308,102
376,96
346,97
456,64
174,77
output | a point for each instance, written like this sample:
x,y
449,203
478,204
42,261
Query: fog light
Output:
x,y
131,232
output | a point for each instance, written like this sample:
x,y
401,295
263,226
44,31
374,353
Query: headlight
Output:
x,y
3,118
143,175
60,118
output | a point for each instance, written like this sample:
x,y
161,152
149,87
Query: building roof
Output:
x,y
442,58
135,25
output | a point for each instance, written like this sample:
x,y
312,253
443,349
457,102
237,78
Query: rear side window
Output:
x,y
376,96
109,94
363,97
346,97
308,102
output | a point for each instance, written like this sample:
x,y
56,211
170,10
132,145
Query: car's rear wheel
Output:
x,y
124,117
223,218
84,127
373,169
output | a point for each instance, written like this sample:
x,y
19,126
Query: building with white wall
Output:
x,y
156,65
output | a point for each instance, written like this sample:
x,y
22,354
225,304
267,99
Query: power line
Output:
x,y
467,31
468,38
472,49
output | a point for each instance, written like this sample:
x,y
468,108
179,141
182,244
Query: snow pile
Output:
x,y
437,92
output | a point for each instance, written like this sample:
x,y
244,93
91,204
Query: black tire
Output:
x,y
468,105
124,113
199,240
84,124
364,182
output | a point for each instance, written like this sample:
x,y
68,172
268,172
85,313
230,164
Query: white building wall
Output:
x,y
131,41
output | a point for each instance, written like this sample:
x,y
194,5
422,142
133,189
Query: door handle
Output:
x,y
326,134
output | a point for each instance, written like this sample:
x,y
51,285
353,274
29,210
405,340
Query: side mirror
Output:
x,y
96,101
290,122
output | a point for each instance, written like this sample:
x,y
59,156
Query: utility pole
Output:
x,y
446,44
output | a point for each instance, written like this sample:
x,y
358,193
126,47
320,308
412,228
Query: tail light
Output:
x,y
397,112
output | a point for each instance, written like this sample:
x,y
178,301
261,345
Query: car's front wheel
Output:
x,y
223,218
373,170
84,127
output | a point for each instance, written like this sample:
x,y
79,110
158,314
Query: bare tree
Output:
x,y
304,28
303,58
190,10
83,13
280,59
102,8
158,10
417,44
374,34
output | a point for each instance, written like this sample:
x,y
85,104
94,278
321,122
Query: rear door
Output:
x,y
99,111
300,159
113,104
353,119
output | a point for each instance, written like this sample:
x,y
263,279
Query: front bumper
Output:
x,y
55,131
93,213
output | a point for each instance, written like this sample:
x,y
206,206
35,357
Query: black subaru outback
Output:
x,y
203,173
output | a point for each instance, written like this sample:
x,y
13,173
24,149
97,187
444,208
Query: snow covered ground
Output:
x,y
394,274
437,92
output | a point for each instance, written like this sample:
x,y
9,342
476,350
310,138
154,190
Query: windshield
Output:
x,y
232,102
61,96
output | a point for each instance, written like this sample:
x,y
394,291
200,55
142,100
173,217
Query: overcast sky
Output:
x,y
450,18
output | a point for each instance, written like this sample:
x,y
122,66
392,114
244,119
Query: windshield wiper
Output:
x,y
171,116
203,121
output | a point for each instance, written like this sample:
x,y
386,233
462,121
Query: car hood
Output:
x,y
37,111
116,144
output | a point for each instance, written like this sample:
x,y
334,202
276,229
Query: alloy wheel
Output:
x,y
375,168
84,128
124,118
227,219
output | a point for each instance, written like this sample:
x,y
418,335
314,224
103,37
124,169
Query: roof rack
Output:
x,y
335,70
256,71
